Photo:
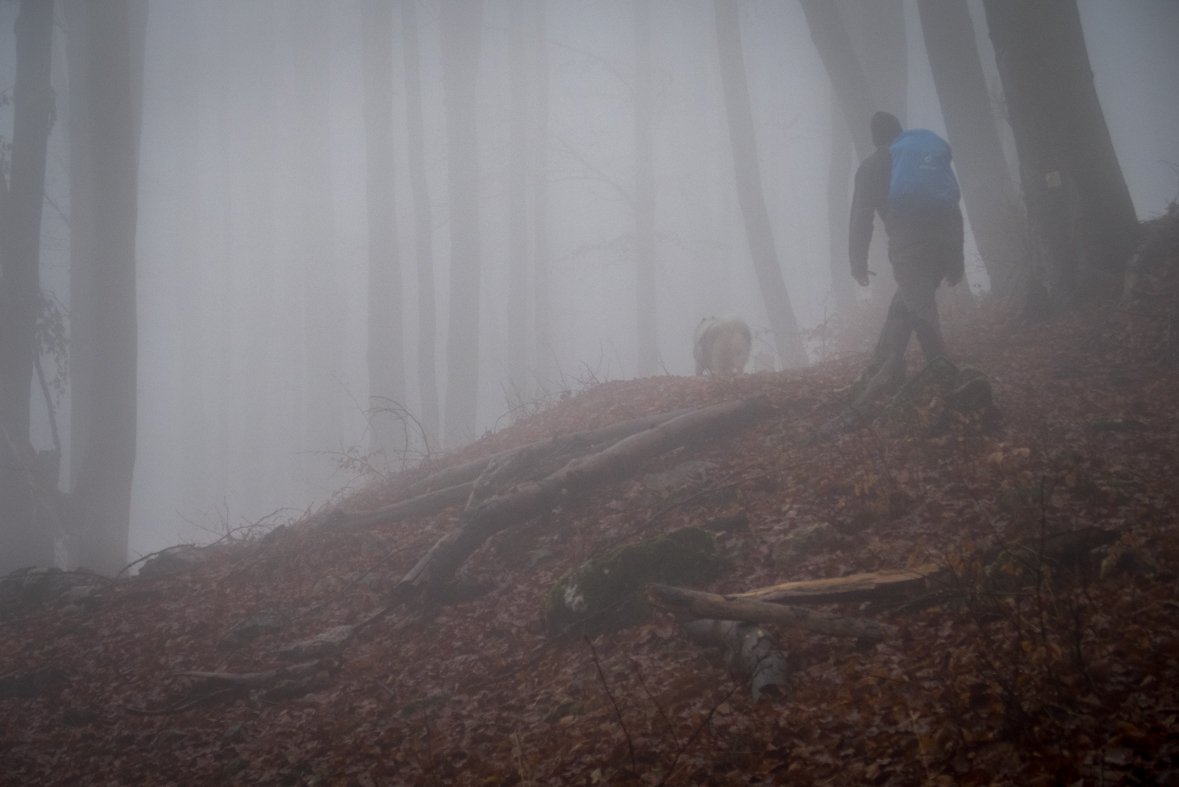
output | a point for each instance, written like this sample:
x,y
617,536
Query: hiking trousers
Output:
x,y
919,269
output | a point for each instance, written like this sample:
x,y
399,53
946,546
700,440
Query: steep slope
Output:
x,y
1048,671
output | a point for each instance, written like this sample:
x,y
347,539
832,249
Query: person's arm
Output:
x,y
872,176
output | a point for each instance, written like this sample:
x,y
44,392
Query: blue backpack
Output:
x,y
922,180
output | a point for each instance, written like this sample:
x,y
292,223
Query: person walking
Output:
x,y
910,183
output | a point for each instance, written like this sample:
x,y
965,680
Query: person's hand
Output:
x,y
861,278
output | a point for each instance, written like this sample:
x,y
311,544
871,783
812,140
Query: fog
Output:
x,y
252,246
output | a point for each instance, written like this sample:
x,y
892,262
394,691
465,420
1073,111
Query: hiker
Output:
x,y
908,181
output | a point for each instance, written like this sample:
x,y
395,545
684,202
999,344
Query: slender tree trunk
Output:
x,y
324,303
1081,220
987,191
386,364
460,21
23,540
749,189
517,201
546,358
102,495
645,252
423,222
839,170
844,70
877,31
81,331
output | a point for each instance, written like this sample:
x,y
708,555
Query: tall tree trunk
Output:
x,y
987,191
423,222
517,200
102,494
324,303
1081,219
645,261
844,70
23,539
460,21
386,364
81,332
749,190
546,358
839,170
877,30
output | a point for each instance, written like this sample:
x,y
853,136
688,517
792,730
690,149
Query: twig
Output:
x,y
634,769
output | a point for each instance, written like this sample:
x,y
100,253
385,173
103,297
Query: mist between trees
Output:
x,y
279,240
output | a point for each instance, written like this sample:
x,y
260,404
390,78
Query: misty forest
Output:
x,y
493,391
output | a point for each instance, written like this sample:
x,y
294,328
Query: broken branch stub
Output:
x,y
483,520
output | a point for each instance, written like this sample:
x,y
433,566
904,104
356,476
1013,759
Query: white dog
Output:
x,y
722,345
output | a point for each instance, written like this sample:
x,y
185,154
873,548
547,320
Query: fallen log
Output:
x,y
712,605
455,486
469,471
749,651
1059,550
481,521
422,505
854,587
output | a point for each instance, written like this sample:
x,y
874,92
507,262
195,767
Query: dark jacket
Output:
x,y
871,196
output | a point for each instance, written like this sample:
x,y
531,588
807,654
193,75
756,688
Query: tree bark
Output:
x,y
315,227
386,364
839,170
423,224
645,260
102,496
711,605
460,22
854,587
517,201
787,338
22,539
484,520
987,191
844,70
1081,220
546,357
877,31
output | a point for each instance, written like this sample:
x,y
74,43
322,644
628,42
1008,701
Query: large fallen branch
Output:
x,y
469,471
453,487
854,587
481,521
712,605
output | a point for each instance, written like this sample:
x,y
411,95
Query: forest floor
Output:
x,y
1050,674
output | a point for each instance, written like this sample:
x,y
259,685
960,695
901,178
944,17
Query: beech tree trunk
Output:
x,y
315,224
1081,220
23,540
460,22
517,200
386,364
546,358
101,497
423,224
750,195
839,171
844,70
645,262
996,217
